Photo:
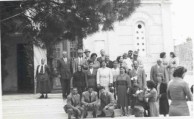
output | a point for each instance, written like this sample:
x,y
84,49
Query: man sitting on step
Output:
x,y
73,106
90,101
107,102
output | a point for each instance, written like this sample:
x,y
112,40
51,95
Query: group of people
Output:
x,y
95,84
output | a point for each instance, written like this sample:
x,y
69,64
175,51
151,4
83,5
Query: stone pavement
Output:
x,y
28,106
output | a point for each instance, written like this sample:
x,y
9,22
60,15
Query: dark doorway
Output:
x,y
25,68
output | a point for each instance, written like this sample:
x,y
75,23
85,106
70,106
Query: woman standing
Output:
x,y
164,60
43,81
122,63
173,63
79,80
93,58
104,76
162,95
152,99
123,84
178,92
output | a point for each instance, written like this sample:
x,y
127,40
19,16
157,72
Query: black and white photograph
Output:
x,y
84,59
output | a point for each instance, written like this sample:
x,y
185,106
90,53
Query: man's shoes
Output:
x,y
42,96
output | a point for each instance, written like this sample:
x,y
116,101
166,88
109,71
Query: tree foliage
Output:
x,y
56,20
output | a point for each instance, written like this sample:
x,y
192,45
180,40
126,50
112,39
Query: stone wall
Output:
x,y
184,52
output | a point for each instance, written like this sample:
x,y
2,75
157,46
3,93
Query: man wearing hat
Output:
x,y
87,53
79,61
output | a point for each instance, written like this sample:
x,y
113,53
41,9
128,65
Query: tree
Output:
x,y
51,21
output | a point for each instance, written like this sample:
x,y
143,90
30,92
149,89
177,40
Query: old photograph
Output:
x,y
77,59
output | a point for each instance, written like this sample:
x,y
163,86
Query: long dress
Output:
x,y
43,81
104,77
122,83
178,91
173,63
153,103
163,100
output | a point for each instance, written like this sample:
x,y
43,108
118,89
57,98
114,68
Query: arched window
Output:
x,y
140,38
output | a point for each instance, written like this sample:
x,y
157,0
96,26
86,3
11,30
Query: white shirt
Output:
x,y
79,60
40,68
91,70
128,62
65,60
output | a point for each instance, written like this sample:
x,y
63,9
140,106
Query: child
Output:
x,y
137,98
152,99
162,96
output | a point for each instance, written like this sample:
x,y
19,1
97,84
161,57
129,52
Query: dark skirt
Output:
x,y
164,105
43,84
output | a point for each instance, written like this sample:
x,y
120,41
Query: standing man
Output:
x,y
80,60
138,74
91,76
107,102
43,81
136,58
90,101
130,53
109,63
157,70
73,106
65,73
102,58
87,53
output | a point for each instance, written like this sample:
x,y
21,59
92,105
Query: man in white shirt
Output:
x,y
128,61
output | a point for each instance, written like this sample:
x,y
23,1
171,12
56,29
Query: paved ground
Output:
x,y
28,106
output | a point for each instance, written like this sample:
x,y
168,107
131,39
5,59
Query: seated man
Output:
x,y
73,106
107,102
90,101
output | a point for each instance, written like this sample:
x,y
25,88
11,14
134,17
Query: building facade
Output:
x,y
147,30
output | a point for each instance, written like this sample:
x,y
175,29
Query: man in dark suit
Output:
x,y
79,61
90,101
107,102
65,73
109,63
91,76
73,106
158,69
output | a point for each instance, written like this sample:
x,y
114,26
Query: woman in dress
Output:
x,y
93,58
43,81
123,84
173,63
162,95
79,80
152,99
121,63
104,76
164,60
179,93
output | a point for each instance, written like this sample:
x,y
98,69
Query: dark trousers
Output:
x,y
65,84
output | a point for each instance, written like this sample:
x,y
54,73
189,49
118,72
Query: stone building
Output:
x,y
148,30
184,52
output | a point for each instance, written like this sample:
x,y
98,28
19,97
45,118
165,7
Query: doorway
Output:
x,y
25,68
